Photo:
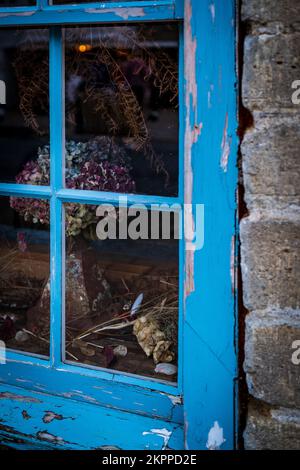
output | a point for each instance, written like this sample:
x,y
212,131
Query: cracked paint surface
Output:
x,y
163,433
20,14
67,424
46,436
12,396
124,13
50,416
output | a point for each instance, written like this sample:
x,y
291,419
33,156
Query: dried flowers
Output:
x,y
99,164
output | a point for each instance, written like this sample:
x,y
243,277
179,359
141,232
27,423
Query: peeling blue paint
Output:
x,y
91,427
209,331
49,404
109,12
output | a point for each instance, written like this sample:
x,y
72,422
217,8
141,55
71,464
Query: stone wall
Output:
x,y
270,234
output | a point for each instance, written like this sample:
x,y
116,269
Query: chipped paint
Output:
x,y
208,359
189,285
50,416
175,399
164,433
186,428
25,415
124,13
215,437
78,393
226,142
46,436
23,381
19,14
212,11
12,396
105,426
209,95
192,133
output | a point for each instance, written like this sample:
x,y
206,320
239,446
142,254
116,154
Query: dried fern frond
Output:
x,y
127,100
161,67
115,103
33,89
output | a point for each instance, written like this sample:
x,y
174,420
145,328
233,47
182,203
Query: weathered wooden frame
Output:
x,y
104,408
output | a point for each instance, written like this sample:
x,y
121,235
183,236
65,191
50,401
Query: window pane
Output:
x,y
122,108
24,106
121,295
17,3
24,274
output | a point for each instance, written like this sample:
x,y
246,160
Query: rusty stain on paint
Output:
x,y
192,133
124,13
226,142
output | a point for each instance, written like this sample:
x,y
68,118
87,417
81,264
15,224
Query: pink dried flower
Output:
x,y
90,175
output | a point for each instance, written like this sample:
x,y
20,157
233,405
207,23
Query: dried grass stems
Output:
x,y
43,339
12,276
163,308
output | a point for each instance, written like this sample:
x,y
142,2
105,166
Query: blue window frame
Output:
x,y
205,391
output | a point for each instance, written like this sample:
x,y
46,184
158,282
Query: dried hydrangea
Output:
x,y
102,176
79,217
32,210
99,164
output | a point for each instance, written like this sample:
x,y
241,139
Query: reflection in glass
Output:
x,y
122,108
24,274
121,301
24,106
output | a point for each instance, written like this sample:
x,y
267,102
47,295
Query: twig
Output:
x,y
36,336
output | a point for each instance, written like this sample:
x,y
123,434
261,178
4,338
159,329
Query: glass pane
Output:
x,y
24,106
121,294
122,108
17,3
24,274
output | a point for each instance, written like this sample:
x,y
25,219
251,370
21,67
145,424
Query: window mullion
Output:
x,y
56,175
93,197
41,4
